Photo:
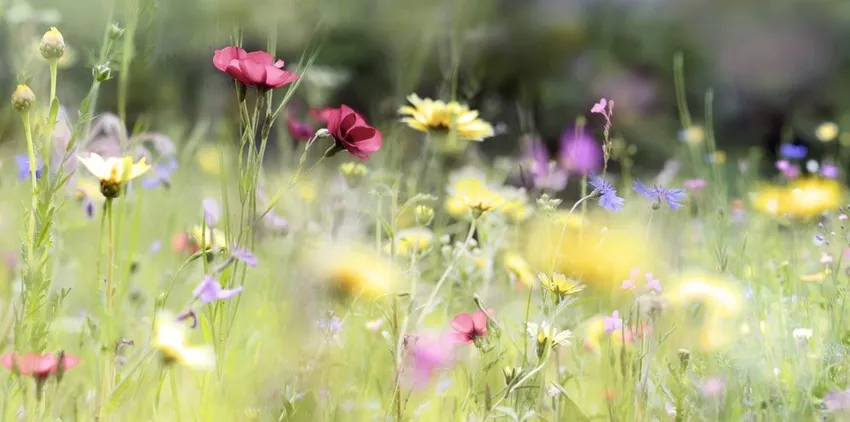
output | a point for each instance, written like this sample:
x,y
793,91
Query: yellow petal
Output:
x,y
201,358
138,169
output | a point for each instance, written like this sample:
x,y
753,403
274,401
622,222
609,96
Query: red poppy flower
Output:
x,y
256,68
321,115
299,130
469,327
352,133
36,365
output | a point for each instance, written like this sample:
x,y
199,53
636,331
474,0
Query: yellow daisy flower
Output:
x,y
711,307
213,240
451,124
518,267
559,284
469,195
410,241
170,339
802,199
113,172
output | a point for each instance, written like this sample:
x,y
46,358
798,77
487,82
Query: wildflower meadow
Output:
x,y
298,258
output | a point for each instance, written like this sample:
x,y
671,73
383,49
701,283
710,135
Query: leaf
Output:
x,y
508,411
54,112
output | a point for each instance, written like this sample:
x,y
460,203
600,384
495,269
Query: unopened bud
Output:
x,y
353,172
52,45
511,373
23,98
115,31
684,359
424,214
102,72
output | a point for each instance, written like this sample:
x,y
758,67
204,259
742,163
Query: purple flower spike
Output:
x,y
244,255
211,212
210,290
658,194
607,195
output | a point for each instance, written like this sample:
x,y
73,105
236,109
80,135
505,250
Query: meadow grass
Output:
x,y
425,283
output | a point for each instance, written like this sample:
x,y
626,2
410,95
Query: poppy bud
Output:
x,y
23,98
52,46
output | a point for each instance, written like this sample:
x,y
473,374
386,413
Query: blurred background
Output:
x,y
777,69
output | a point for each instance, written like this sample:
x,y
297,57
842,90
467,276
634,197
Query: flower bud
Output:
x,y
115,32
52,45
511,373
102,73
353,172
684,359
423,214
23,98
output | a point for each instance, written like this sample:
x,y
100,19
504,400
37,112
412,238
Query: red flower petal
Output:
x,y
260,57
223,57
479,321
253,72
462,323
278,64
68,362
233,69
276,78
366,138
458,338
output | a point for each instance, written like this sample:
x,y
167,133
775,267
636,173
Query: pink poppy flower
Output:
x,y
469,327
351,132
36,365
256,68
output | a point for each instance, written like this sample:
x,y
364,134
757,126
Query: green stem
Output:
x,y
108,377
174,396
430,303
54,65
32,167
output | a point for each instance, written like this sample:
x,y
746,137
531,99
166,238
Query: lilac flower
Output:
x,y
837,400
427,356
211,211
658,194
607,194
155,246
613,322
210,290
630,284
244,255
276,222
794,152
652,283
160,175
580,153
830,171
24,167
542,172
330,326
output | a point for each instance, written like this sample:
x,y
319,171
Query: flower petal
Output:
x,y
463,323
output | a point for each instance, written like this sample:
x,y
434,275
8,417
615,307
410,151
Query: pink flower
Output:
x,y
38,366
256,68
712,387
428,355
613,322
652,283
299,130
580,153
468,328
321,115
694,184
600,106
351,132
628,285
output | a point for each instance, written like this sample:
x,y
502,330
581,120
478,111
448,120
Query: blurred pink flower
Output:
x,y
580,153
712,387
428,354
694,184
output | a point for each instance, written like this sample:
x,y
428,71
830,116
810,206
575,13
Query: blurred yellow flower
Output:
x,y
827,132
516,266
711,306
306,190
353,269
170,339
692,135
410,241
213,240
451,125
86,189
469,192
209,160
800,199
113,172
596,254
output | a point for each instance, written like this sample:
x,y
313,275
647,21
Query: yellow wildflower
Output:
x,y
519,268
213,240
451,124
801,199
470,195
113,172
559,284
711,306
170,339
411,241
355,269
827,132
209,160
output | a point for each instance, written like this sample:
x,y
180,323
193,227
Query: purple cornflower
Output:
x,y
830,171
539,170
244,255
210,290
794,152
23,163
613,323
659,194
580,153
211,211
607,194
161,175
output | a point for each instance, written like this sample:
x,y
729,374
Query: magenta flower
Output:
x,y
830,171
539,170
299,130
428,355
580,153
210,290
469,328
257,68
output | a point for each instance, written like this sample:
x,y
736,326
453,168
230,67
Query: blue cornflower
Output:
x,y
659,194
607,194
794,152
24,167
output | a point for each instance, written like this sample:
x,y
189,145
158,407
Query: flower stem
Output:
x,y
430,303
107,377
564,231
54,65
25,117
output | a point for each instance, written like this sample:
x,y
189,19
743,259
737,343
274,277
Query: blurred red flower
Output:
x,y
321,115
38,365
299,130
351,132
256,68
